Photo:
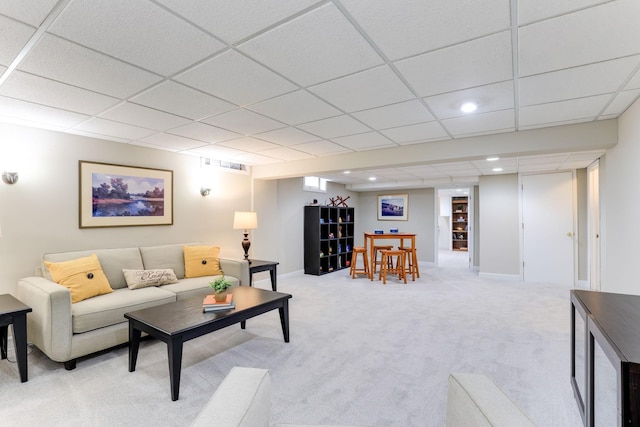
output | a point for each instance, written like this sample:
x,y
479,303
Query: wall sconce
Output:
x,y
247,221
10,177
205,191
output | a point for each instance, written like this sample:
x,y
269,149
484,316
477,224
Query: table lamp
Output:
x,y
245,221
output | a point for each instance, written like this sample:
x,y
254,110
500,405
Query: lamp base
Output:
x,y
246,244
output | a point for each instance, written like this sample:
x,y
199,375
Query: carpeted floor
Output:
x,y
360,353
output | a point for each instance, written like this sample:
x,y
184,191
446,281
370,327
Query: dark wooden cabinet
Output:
x,y
328,238
459,223
609,323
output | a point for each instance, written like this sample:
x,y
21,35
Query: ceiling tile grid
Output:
x,y
265,83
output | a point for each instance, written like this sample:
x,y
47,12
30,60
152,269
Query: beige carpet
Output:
x,y
360,353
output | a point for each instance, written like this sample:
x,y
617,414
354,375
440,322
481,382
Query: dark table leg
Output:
x,y
243,324
274,279
20,343
284,319
174,350
134,345
3,341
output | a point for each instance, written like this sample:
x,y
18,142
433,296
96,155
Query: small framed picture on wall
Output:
x,y
393,207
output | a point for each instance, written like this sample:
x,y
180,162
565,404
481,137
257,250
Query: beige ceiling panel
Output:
x,y
317,46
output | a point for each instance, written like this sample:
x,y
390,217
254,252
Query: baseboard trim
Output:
x,y
498,276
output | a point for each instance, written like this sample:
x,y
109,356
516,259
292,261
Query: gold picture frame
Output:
x,y
123,196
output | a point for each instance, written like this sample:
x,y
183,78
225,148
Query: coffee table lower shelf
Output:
x,y
182,321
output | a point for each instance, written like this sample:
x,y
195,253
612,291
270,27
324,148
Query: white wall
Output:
x,y
39,213
420,220
619,197
499,219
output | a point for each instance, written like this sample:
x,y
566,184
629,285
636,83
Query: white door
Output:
x,y
593,213
548,228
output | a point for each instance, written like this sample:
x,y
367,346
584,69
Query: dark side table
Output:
x,y
256,266
12,311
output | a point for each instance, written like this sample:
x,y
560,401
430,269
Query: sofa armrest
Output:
x,y
49,324
241,400
475,400
236,268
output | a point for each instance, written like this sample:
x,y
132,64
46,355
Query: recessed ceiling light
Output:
x,y
492,159
497,169
346,172
373,178
469,107
458,189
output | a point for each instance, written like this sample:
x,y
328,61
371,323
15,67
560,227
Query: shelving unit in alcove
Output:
x,y
459,223
328,238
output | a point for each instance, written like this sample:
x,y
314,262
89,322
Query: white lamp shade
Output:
x,y
245,220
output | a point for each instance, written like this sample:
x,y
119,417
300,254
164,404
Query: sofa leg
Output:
x,y
70,365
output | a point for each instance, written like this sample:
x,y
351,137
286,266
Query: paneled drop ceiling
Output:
x,y
267,82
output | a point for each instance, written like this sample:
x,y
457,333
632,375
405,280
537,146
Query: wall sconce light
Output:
x,y
247,221
205,191
10,177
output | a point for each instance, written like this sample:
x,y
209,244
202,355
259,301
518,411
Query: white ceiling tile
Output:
x,y
500,163
634,83
622,101
244,121
203,132
13,36
494,97
419,26
474,63
585,38
537,168
154,147
543,159
478,123
69,63
181,100
248,144
287,136
54,94
364,141
418,132
354,92
403,113
335,126
321,148
563,111
29,12
537,10
315,47
577,82
35,113
286,153
287,108
457,166
134,114
587,157
172,142
232,20
75,131
256,159
216,151
235,78
100,126
147,34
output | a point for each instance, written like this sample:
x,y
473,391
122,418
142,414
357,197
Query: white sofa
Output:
x,y
243,400
66,331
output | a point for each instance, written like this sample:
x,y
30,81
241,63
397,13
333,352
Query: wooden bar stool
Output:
x,y
374,260
412,260
354,261
387,266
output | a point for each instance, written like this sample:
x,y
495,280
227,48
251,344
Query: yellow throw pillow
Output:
x,y
201,261
82,276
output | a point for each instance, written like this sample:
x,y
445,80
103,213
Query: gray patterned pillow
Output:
x,y
137,279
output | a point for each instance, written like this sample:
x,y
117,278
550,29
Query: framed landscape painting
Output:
x,y
120,196
393,207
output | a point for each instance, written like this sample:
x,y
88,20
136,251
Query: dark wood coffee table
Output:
x,y
180,321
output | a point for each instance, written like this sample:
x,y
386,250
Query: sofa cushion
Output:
x,y
137,279
109,309
111,260
82,276
165,256
201,261
196,286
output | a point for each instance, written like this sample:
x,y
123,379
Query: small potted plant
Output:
x,y
220,286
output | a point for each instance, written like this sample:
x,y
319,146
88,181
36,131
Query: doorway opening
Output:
x,y
454,213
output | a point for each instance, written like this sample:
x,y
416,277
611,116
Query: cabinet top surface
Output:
x,y
617,316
